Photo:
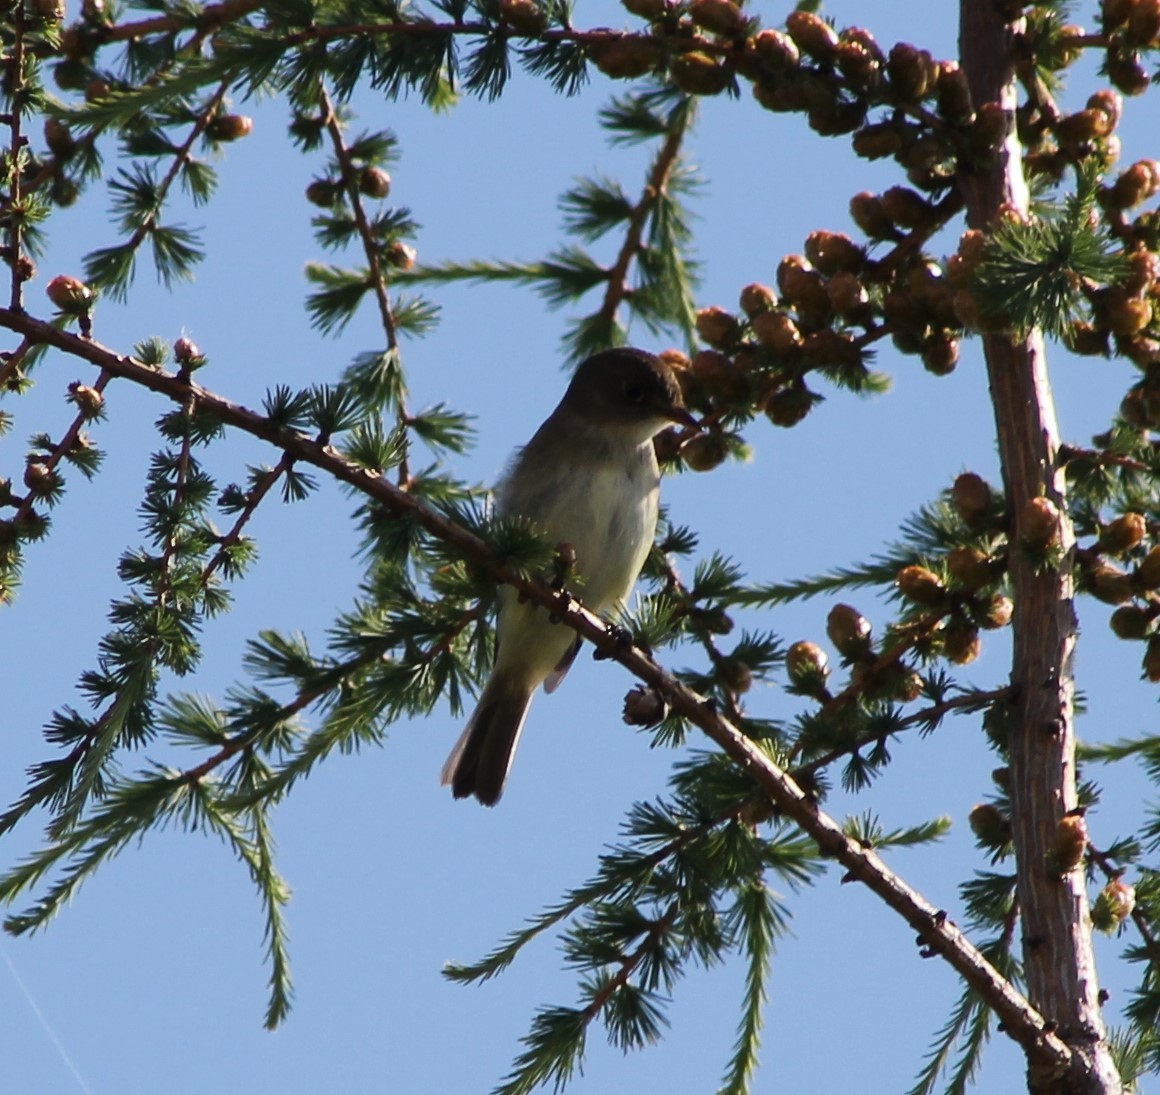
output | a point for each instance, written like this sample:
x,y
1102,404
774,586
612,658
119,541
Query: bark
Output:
x,y
1056,940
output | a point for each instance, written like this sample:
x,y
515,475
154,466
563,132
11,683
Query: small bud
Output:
x,y
523,16
971,252
834,252
940,353
697,73
802,286
813,35
324,193
756,811
625,57
1040,523
401,256
1121,314
1083,126
778,332
995,612
374,182
870,215
970,567
1137,184
862,37
229,127
645,707
187,352
1087,340
646,9
704,452
1071,840
1140,408
1123,533
714,620
775,50
876,142
848,296
788,406
88,401
1127,73
954,95
910,71
757,298
650,9
836,117
1109,103
830,349
859,64
849,631
59,139
735,674
70,75
717,16
971,497
992,827
906,208
1110,585
807,664
960,641
1143,271
905,685
1115,903
718,376
40,479
69,293
718,327
920,585
1130,622
63,192
97,89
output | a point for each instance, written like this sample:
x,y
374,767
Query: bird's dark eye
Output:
x,y
634,393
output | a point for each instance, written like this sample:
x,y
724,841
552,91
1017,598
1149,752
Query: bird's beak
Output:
x,y
681,417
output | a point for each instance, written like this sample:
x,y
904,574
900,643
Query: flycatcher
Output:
x,y
588,478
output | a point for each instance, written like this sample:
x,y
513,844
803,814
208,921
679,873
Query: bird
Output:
x,y
588,479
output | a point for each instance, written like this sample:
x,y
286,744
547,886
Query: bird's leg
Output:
x,y
621,638
564,564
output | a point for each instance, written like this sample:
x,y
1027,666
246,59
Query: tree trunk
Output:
x,y
1057,953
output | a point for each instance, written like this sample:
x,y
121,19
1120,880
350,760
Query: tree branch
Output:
x,y
1049,1054
1057,954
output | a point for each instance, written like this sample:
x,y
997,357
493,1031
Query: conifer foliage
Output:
x,y
1050,237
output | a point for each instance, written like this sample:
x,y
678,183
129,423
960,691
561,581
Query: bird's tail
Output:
x,y
479,763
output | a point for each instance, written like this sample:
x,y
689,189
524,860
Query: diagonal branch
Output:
x,y
939,934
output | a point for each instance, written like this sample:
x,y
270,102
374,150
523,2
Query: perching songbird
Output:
x,y
588,478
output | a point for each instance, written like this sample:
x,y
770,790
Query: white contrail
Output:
x,y
47,1027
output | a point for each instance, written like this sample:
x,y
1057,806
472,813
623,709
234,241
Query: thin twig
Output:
x,y
61,449
16,141
934,713
371,250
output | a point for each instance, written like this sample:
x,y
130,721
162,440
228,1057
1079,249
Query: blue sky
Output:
x,y
153,980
